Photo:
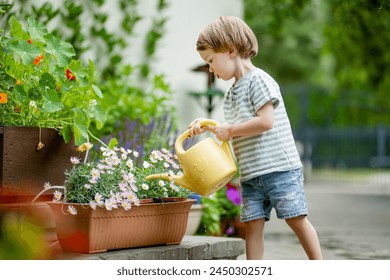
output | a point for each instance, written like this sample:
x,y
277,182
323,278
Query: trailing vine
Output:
x,y
153,36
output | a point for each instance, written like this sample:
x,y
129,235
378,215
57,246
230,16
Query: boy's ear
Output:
x,y
232,51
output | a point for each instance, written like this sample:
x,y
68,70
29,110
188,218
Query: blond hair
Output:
x,y
225,32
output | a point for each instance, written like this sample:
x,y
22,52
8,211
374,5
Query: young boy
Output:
x,y
258,125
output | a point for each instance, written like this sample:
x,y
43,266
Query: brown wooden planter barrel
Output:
x,y
24,170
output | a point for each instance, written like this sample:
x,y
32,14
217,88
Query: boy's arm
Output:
x,y
263,122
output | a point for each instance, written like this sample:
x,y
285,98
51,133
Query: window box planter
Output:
x,y
93,231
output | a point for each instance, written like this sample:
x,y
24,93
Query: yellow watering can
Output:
x,y
207,166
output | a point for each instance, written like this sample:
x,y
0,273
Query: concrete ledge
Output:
x,y
191,248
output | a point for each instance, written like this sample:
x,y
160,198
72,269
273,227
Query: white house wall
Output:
x,y
176,55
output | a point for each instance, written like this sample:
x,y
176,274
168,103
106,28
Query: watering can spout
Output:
x,y
179,180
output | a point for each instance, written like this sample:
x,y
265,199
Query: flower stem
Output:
x,y
97,139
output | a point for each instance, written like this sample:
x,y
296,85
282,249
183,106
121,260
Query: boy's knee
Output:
x,y
255,224
296,222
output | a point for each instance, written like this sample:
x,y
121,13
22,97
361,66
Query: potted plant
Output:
x,y
42,85
107,203
222,213
44,94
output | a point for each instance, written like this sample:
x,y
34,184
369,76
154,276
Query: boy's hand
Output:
x,y
222,131
195,128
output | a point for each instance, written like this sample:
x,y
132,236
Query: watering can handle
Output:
x,y
179,141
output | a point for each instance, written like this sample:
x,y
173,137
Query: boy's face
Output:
x,y
221,64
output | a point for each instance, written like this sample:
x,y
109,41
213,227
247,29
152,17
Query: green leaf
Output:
x,y
80,72
62,51
47,81
7,81
17,30
91,69
26,51
36,30
80,127
99,116
52,102
34,94
97,90
113,142
20,94
65,133
80,133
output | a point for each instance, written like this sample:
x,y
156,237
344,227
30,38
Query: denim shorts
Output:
x,y
280,190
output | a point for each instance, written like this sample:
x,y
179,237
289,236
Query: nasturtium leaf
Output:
x,y
80,127
17,30
62,51
80,72
51,101
99,116
7,80
66,133
34,94
47,81
26,51
20,94
36,30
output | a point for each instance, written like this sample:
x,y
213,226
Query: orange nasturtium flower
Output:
x,y
38,59
29,41
69,75
3,98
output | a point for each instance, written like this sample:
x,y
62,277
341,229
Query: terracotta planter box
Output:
x,y
23,169
92,231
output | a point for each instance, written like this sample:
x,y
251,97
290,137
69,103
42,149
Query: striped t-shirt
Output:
x,y
273,150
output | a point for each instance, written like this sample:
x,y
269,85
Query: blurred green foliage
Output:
x,y
21,238
331,58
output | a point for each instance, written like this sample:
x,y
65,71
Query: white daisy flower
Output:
x,y
126,204
57,196
72,210
99,199
74,160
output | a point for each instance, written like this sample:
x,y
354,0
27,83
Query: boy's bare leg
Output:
x,y
254,239
307,236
